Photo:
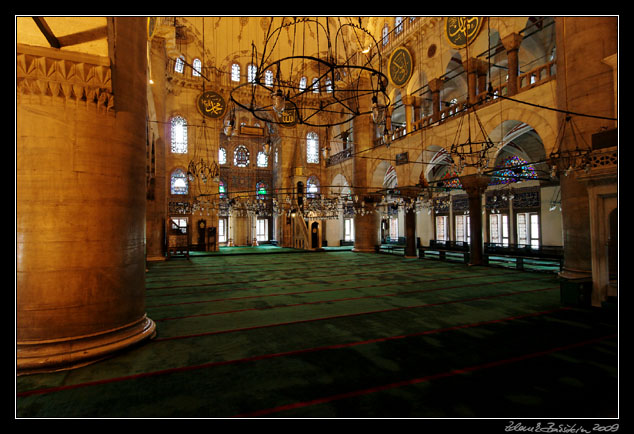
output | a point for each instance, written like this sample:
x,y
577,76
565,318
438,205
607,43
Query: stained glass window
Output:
x,y
222,190
260,189
513,169
451,180
179,135
312,148
222,156
241,156
179,182
263,159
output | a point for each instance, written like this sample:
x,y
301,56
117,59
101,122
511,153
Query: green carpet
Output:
x,y
343,334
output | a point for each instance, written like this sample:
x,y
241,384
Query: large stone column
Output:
x,y
80,207
366,225
584,85
410,233
475,185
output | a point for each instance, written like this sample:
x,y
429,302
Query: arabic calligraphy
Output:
x,y
400,66
289,116
211,104
461,31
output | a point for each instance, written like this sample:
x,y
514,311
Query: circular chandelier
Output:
x,y
471,153
277,90
567,160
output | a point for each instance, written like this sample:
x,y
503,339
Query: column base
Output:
x,y
363,250
575,288
62,354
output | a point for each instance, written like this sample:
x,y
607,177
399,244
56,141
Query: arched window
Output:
x,y
398,25
222,190
312,187
451,180
315,85
328,85
197,67
235,72
222,156
302,84
179,65
390,179
386,37
241,156
178,135
268,78
312,148
261,190
178,182
263,159
513,169
251,73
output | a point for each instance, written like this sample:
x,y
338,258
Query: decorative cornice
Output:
x,y
54,74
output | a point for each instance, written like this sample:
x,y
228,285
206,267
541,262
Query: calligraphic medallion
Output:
x,y
462,31
400,67
211,104
288,117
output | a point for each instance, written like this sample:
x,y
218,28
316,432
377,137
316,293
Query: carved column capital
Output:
x,y
435,85
474,184
512,42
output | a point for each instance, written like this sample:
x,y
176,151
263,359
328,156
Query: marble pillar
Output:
x,y
586,87
80,207
475,185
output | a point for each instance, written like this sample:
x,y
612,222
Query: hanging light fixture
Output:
x,y
279,102
567,160
347,73
202,170
471,153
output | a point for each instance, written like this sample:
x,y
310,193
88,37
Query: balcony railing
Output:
x,y
533,78
339,157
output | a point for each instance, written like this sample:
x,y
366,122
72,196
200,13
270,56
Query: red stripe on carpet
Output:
x,y
413,381
306,292
345,299
283,354
339,316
